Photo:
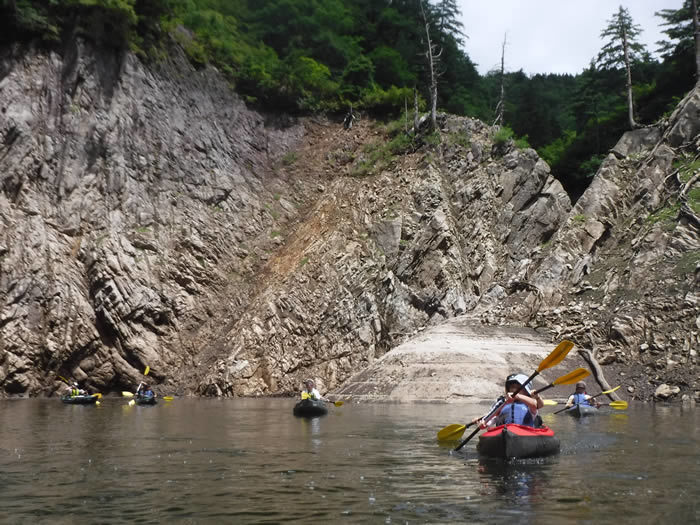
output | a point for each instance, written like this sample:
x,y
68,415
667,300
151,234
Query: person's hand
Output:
x,y
482,424
510,398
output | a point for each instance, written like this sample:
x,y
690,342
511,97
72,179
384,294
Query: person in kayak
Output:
x,y
520,409
74,390
579,397
144,390
310,391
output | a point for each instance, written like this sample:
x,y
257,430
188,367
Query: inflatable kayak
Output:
x,y
143,400
582,411
80,400
310,408
518,441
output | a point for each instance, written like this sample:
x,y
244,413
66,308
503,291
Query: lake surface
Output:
x,y
252,461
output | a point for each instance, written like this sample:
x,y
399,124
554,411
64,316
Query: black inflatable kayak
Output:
x,y
582,411
310,408
143,400
518,441
80,400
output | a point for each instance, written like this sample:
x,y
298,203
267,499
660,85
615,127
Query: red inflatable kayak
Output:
x,y
518,441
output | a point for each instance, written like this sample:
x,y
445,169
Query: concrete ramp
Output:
x,y
457,361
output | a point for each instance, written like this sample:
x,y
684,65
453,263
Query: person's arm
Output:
x,y
531,403
538,401
570,401
483,422
595,402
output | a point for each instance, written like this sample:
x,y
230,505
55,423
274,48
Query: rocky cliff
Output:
x,y
150,219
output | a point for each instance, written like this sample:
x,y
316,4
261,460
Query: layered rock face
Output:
x,y
132,202
150,218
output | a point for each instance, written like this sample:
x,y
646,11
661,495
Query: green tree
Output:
x,y
682,29
622,49
447,14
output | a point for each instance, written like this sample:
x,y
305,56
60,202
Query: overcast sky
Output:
x,y
550,36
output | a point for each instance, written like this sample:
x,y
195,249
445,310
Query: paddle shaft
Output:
x,y
570,407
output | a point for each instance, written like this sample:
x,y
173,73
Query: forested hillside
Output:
x,y
329,55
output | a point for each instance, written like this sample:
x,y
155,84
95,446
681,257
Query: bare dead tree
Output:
x,y
415,111
502,99
433,57
405,109
696,32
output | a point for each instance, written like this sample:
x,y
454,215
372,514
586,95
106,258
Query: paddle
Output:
x,y
554,358
599,394
138,388
455,431
606,392
569,379
617,405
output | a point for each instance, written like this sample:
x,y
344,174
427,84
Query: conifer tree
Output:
x,y
683,29
621,50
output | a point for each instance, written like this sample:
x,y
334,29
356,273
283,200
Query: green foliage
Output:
x,y
522,142
687,168
289,158
669,213
693,197
688,262
621,28
323,55
389,101
502,136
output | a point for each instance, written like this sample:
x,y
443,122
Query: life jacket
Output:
x,y
74,392
308,395
518,413
580,399
147,393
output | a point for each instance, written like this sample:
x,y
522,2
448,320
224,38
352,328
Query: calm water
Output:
x,y
252,461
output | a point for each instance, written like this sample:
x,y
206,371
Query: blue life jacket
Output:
x,y
580,399
146,393
518,413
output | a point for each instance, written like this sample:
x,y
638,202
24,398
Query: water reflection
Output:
x,y
252,461
521,482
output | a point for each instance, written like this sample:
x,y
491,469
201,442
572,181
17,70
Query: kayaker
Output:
x,y
145,391
74,390
521,409
310,391
579,397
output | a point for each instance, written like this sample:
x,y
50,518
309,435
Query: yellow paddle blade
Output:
x,y
549,402
132,403
127,394
339,403
98,395
451,432
557,355
611,390
572,377
168,398
97,402
64,380
618,405
148,369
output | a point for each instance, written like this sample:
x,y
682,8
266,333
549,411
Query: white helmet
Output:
x,y
520,379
